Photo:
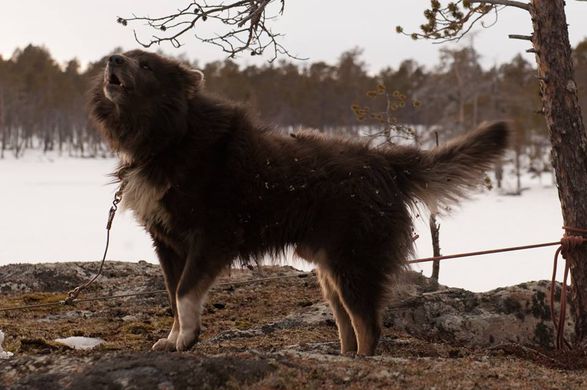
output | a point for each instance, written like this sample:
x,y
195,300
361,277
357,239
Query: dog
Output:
x,y
212,186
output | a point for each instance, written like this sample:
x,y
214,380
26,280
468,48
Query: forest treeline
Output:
x,y
42,102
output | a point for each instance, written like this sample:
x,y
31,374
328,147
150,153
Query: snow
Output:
x,y
79,342
3,354
492,221
55,209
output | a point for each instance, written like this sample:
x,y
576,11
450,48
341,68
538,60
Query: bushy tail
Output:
x,y
444,175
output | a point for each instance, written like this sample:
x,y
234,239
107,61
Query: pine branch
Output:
x,y
454,19
509,3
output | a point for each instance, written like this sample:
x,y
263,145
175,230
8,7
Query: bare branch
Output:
x,y
522,37
242,26
509,3
254,13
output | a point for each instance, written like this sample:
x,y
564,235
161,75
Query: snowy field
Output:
x,y
55,208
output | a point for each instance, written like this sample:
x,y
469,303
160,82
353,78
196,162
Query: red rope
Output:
x,y
487,252
559,324
567,245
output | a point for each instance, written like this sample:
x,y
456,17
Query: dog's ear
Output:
x,y
196,80
198,77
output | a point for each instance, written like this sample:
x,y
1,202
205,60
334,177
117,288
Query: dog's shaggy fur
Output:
x,y
211,186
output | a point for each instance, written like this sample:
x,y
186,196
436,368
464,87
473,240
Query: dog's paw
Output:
x,y
186,340
163,345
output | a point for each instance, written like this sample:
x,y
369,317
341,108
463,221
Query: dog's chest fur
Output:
x,y
144,198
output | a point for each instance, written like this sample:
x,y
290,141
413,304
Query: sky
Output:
x,y
317,30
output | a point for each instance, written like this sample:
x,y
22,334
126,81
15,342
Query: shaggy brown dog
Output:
x,y
211,186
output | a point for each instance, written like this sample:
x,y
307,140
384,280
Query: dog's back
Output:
x,y
324,192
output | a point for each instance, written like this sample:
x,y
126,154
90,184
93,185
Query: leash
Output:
x,y
73,294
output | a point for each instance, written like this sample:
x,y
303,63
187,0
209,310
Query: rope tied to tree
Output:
x,y
569,243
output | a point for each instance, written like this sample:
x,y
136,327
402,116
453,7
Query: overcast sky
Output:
x,y
318,29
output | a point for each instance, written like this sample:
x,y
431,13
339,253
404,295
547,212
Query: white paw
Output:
x,y
163,345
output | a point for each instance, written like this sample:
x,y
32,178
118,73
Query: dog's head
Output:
x,y
141,100
139,78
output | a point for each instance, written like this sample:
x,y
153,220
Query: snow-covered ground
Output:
x,y
55,209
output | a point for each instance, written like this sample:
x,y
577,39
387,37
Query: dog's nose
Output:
x,y
116,60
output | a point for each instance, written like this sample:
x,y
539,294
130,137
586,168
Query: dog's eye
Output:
x,y
145,66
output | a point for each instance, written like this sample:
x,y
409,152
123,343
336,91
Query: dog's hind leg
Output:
x,y
346,333
361,291
348,339
202,268
172,266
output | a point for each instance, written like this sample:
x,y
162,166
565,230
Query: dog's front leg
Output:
x,y
172,265
203,264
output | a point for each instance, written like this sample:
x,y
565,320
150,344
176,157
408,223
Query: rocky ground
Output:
x,y
275,333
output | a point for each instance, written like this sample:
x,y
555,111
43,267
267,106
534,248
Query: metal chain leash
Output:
x,y
73,294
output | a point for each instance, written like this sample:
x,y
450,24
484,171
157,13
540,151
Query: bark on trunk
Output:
x,y
567,135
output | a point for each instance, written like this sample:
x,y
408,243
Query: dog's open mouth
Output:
x,y
114,80
114,86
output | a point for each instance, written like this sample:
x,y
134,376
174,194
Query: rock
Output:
x,y
144,370
61,277
80,342
3,354
518,314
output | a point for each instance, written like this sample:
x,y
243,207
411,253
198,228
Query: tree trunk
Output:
x,y
518,171
567,135
435,232
2,128
499,173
